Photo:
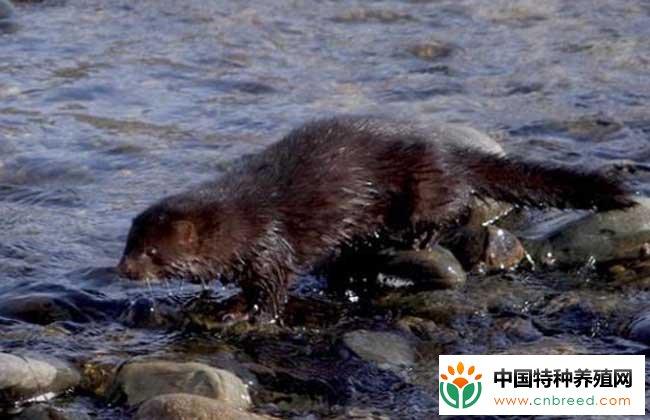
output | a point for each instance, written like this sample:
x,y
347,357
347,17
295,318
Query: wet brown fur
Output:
x,y
331,184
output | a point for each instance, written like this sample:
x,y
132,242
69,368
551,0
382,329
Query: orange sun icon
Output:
x,y
460,381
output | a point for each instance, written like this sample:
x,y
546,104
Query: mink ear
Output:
x,y
186,231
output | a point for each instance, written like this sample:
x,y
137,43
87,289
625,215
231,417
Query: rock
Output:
x,y
485,211
363,15
635,274
98,375
387,350
6,9
463,137
435,268
140,381
428,330
186,406
519,329
502,250
145,312
41,309
25,378
438,306
587,312
488,248
356,413
46,412
431,50
549,345
468,245
604,237
639,329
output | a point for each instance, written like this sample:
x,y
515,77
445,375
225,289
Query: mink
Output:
x,y
333,184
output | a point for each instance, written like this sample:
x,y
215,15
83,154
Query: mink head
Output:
x,y
164,243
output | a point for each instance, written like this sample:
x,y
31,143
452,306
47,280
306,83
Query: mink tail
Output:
x,y
538,185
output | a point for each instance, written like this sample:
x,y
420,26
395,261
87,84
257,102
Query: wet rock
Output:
x,y
438,306
356,413
468,245
97,375
435,268
463,137
187,406
549,345
387,350
428,330
6,9
41,309
502,250
25,378
606,236
139,381
594,128
639,329
145,312
46,412
485,211
635,274
362,15
579,312
488,248
431,50
56,305
519,329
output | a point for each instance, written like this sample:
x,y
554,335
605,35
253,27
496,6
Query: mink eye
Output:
x,y
151,252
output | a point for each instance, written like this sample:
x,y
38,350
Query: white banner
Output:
x,y
540,384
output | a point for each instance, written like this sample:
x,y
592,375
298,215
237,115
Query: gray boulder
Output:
x,y
27,378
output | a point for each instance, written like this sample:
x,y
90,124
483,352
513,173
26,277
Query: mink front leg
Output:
x,y
263,296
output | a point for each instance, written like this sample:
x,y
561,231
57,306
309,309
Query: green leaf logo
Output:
x,y
460,392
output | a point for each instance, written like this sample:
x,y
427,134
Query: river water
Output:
x,y
106,106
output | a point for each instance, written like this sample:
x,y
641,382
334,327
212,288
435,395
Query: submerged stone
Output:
x,y
6,9
140,381
48,412
386,349
187,406
603,237
639,329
